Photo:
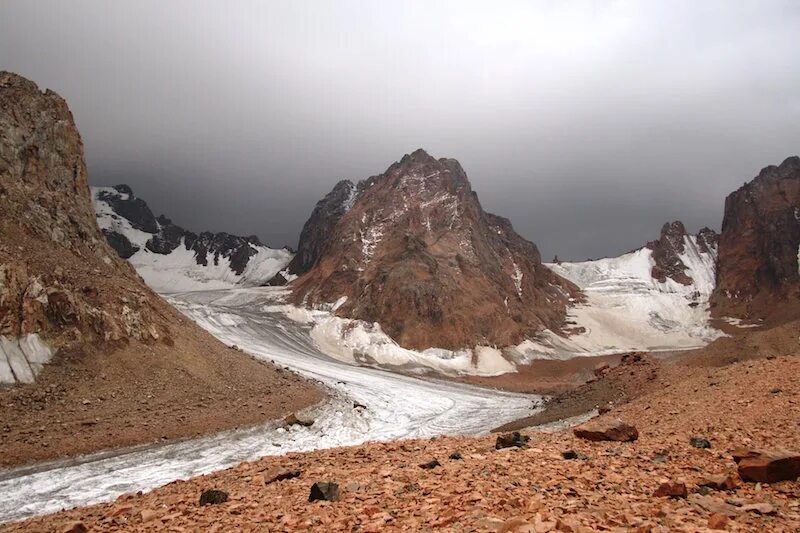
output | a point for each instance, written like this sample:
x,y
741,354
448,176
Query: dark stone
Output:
x,y
324,490
213,497
572,454
430,465
456,456
511,440
700,442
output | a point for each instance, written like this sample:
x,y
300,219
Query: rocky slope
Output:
x,y
170,258
653,298
759,247
115,349
412,250
687,440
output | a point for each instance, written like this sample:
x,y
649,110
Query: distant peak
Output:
x,y
418,156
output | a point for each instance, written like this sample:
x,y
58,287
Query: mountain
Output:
x,y
759,247
652,298
170,258
413,250
93,358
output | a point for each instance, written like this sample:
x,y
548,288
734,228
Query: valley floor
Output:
x,y
143,393
753,403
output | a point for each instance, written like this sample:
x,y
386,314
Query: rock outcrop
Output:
x,y
413,250
671,246
171,258
55,268
759,245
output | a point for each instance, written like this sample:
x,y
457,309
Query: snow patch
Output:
x,y
360,343
626,309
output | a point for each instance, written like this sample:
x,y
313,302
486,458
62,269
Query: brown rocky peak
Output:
x,y
758,246
666,254
413,250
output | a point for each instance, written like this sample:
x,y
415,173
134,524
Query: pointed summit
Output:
x,y
416,252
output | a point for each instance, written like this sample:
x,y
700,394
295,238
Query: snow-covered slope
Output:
x,y
627,309
171,259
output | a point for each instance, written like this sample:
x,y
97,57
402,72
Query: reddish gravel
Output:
x,y
748,404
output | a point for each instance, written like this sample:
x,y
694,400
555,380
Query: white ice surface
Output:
x,y
397,406
363,343
626,309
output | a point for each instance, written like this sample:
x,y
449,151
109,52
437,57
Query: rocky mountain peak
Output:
x,y
413,250
60,284
670,248
758,247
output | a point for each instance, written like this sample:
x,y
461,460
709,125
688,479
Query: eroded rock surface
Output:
x,y
413,250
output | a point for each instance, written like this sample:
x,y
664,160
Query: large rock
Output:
x,y
758,246
610,430
413,250
324,490
767,466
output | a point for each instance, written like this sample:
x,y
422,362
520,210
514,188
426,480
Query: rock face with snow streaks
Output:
x,y
412,250
652,298
170,258
760,244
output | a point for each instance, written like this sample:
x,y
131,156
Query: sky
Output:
x,y
588,124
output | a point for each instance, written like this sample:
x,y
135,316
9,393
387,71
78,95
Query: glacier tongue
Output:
x,y
627,310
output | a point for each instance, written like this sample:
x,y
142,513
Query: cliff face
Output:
x,y
56,270
758,246
413,250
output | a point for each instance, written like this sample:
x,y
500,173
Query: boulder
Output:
x,y
767,466
213,497
296,419
607,430
511,440
672,489
324,490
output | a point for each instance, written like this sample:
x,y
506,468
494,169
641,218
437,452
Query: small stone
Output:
x,y
717,521
700,442
213,497
148,515
455,456
76,527
720,482
280,474
430,465
324,490
511,440
759,508
672,489
572,454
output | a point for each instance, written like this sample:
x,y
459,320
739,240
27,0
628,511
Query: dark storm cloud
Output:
x,y
589,124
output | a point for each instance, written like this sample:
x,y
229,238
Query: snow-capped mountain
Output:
x,y
172,259
653,298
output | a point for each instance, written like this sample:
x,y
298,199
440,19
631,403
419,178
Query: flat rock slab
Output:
x,y
607,430
767,466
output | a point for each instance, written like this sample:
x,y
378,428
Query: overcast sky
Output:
x,y
588,124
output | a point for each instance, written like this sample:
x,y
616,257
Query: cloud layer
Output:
x,y
588,124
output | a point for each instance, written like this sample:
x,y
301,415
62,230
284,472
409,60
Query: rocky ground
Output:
x,y
554,482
